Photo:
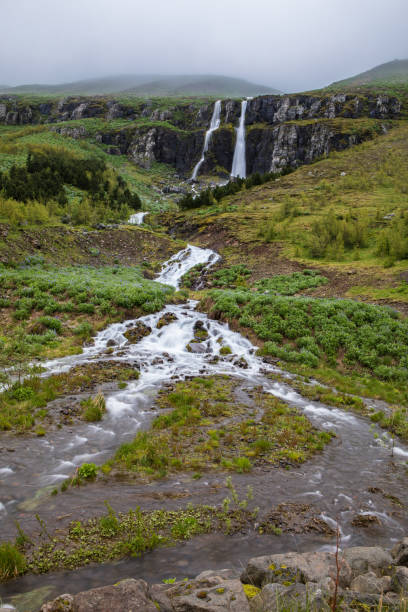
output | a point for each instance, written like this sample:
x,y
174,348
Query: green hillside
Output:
x,y
393,73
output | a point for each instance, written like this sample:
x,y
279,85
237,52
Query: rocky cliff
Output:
x,y
281,130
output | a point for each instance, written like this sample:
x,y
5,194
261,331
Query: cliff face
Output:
x,y
290,144
280,130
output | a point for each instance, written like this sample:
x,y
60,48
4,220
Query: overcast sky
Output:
x,y
289,44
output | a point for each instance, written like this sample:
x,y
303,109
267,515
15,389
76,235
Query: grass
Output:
x,y
114,536
23,407
346,213
17,141
54,306
94,408
12,561
205,428
343,334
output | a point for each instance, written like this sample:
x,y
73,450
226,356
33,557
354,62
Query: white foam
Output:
x,y
6,470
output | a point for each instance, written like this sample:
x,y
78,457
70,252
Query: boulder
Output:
x,y
363,559
400,552
276,597
399,581
295,567
158,594
225,574
352,600
166,319
211,594
63,603
137,332
367,583
125,595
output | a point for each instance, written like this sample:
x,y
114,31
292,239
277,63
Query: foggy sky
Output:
x,y
292,45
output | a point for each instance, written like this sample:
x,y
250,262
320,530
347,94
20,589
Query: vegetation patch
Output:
x,y
23,406
205,427
113,536
49,311
341,333
37,192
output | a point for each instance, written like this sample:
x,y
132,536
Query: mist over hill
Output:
x,y
149,85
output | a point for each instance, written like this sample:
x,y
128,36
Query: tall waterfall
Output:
x,y
214,125
239,160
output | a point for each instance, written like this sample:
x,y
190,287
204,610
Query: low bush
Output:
x,y
12,561
93,408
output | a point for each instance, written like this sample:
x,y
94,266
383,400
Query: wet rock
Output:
x,y
292,517
362,559
125,595
365,520
212,594
367,583
200,334
276,597
137,332
295,567
399,581
157,361
353,600
197,347
241,363
400,552
225,574
63,603
111,342
166,319
158,594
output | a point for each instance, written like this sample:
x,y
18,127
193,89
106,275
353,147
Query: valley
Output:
x,y
203,334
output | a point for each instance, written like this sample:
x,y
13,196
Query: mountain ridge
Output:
x,y
148,85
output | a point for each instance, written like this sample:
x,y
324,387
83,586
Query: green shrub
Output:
x,y
87,471
51,323
94,408
12,561
84,330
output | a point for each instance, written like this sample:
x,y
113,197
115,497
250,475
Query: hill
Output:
x,y
203,85
393,73
104,85
149,85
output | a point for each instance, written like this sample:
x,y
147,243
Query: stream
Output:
x,y
355,474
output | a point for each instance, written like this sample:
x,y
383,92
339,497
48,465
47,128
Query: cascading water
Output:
x,y
239,159
214,125
182,262
341,479
137,218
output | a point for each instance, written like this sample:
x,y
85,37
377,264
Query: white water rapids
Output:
x,y
214,125
239,159
137,218
162,357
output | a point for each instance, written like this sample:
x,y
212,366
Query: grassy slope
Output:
x,y
394,72
374,185
16,141
270,229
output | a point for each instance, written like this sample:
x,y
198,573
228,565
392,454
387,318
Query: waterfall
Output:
x,y
214,125
137,218
239,160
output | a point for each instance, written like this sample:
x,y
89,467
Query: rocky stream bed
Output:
x,y
357,482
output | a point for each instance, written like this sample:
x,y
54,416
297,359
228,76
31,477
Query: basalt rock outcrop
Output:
x,y
366,578
280,130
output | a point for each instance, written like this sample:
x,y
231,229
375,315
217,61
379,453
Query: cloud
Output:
x,y
294,45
